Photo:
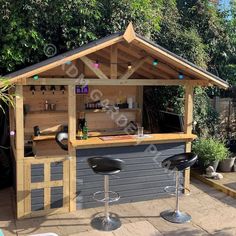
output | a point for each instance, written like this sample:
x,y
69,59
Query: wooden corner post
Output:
x,y
19,116
71,149
188,120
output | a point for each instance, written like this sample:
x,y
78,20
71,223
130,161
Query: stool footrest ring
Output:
x,y
100,196
171,190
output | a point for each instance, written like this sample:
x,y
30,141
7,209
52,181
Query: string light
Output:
x,y
12,133
36,77
155,62
96,64
129,66
181,76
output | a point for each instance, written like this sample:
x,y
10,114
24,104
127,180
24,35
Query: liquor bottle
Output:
x,y
85,131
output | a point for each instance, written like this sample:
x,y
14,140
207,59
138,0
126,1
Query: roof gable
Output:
x,y
130,37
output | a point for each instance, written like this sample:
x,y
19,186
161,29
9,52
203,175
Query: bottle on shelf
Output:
x,y
85,131
46,106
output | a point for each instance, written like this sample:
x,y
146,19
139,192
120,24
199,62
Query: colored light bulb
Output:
x,y
155,62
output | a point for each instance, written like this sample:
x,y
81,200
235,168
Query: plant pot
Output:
x,y
227,164
202,165
214,164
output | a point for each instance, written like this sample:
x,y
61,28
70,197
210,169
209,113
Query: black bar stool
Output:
x,y
106,166
178,163
61,138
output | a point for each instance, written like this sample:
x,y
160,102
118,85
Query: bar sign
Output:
x,y
81,89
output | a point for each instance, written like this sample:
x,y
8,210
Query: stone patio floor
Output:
x,y
212,211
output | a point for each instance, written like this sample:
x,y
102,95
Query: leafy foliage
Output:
x,y
209,150
5,97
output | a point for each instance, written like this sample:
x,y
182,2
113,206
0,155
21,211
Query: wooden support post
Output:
x,y
188,120
71,150
114,62
140,105
19,114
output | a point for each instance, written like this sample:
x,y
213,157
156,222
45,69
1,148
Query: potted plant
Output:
x,y
227,164
210,151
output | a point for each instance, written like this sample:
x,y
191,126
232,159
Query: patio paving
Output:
x,y
213,213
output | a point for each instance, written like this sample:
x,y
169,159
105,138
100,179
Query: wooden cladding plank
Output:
x,y
27,187
89,63
47,192
113,51
19,114
134,68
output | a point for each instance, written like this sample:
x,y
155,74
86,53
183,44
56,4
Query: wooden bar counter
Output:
x,y
95,142
143,177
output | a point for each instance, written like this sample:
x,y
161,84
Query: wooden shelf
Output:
x,y
46,112
104,111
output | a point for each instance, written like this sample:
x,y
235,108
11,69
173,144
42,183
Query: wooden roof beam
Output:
x,y
130,82
89,63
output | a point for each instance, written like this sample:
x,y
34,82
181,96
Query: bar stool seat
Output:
x,y
106,166
177,163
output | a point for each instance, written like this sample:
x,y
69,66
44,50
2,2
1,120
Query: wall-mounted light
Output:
x,y
43,88
62,88
129,65
32,89
53,89
181,75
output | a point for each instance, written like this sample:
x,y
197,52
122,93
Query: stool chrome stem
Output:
x,y
106,190
177,191
176,216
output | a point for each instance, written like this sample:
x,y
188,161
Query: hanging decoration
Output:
x,y
53,89
32,89
62,88
43,88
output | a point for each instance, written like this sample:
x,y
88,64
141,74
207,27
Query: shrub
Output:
x,y
209,150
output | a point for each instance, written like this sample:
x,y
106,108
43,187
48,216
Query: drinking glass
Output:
x,y
140,132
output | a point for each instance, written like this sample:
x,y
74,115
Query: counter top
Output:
x,y
96,142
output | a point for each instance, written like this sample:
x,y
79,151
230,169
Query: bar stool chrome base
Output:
x,y
106,223
176,216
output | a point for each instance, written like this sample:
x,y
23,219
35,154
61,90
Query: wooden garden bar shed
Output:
x,y
78,82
